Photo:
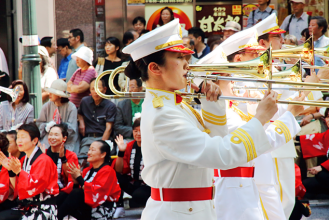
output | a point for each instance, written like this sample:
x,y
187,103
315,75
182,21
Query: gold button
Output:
x,y
240,185
213,206
190,209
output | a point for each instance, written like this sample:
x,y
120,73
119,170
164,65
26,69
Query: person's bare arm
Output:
x,y
82,127
82,87
108,130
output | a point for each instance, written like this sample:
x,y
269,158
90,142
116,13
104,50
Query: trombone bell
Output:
x,y
12,92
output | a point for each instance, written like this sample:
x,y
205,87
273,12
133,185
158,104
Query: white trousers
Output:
x,y
271,202
285,170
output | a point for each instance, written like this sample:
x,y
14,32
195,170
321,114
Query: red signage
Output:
x,y
99,2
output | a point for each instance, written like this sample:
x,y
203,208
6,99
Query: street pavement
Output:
x,y
320,211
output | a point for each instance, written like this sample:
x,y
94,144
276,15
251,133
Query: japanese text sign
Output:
x,y
212,18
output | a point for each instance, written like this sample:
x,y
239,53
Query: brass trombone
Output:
x,y
141,95
305,51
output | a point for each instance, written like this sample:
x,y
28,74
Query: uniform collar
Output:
x,y
162,97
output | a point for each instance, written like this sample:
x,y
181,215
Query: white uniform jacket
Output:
x,y
178,154
238,198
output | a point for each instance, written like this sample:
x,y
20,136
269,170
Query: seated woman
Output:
x,y
129,166
12,147
20,111
98,187
319,183
34,178
59,154
7,200
59,110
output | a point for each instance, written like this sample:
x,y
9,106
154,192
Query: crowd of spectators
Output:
x,y
78,129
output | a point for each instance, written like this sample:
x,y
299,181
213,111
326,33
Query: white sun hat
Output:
x,y
84,53
58,87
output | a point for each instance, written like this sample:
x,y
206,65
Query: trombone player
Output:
x,y
283,158
237,187
179,147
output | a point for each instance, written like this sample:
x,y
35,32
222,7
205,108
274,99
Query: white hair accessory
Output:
x,y
136,116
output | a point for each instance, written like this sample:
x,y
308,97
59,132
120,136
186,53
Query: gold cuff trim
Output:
x,y
241,135
282,128
168,44
310,96
215,123
212,115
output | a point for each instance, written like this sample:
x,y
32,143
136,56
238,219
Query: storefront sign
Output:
x,y
183,12
99,2
212,18
169,1
135,2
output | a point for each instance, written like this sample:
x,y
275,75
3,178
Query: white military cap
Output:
x,y
268,25
239,41
232,25
167,37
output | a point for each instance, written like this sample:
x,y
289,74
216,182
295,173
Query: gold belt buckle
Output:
x,y
213,192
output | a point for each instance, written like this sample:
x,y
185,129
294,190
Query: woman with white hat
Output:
x,y
59,110
79,83
48,74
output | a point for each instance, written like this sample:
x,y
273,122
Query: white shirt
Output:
x,y
323,41
48,77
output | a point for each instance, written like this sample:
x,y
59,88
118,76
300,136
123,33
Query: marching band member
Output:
x,y
178,145
235,188
283,158
34,178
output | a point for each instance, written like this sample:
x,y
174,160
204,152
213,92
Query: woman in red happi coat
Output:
x,y
34,178
92,193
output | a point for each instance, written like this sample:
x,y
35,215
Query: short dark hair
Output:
x,y
4,142
269,2
306,33
139,68
264,37
212,38
26,97
138,82
137,123
12,132
116,42
230,58
32,129
105,148
78,32
46,41
127,36
197,32
102,80
212,45
171,15
144,32
63,42
139,18
63,127
321,21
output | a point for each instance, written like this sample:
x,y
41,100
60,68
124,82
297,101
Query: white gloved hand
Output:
x,y
49,125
